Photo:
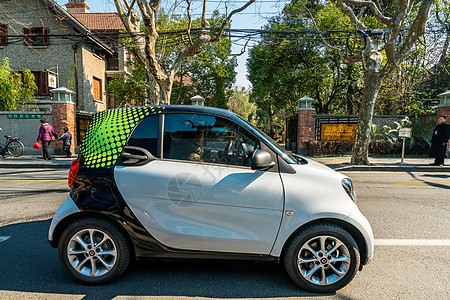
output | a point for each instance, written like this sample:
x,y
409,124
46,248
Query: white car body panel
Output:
x,y
194,206
312,193
67,208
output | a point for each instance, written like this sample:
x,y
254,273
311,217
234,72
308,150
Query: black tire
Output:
x,y
15,148
329,271
356,41
108,239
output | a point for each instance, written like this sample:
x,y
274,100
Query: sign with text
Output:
x,y
338,132
404,132
51,80
23,116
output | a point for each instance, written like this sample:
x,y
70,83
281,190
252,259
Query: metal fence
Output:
x,y
291,133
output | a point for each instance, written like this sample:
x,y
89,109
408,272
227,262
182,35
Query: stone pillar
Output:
x,y
62,112
305,123
305,128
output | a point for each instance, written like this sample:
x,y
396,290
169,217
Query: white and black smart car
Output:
x,y
197,182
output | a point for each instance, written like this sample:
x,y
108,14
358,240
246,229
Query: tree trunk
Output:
x,y
372,84
364,126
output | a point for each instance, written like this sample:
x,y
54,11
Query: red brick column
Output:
x,y
305,128
64,111
444,111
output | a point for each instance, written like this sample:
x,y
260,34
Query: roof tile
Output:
x,y
108,21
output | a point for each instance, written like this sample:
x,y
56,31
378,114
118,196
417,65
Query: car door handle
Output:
x,y
126,156
135,156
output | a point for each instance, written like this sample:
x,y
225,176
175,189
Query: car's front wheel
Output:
x,y
93,251
322,258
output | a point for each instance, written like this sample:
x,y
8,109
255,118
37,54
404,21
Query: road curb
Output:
x,y
33,166
394,168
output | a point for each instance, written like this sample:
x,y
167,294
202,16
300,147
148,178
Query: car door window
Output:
x,y
206,138
145,135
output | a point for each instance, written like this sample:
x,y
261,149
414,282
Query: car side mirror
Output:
x,y
261,160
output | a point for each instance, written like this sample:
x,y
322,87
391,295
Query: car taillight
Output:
x,y
73,171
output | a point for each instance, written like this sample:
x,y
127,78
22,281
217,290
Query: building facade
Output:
x,y
63,48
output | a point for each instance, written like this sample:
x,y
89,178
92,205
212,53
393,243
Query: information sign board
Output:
x,y
24,116
338,132
404,132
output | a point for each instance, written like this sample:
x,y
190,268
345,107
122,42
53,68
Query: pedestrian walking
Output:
x,y
67,141
439,141
46,135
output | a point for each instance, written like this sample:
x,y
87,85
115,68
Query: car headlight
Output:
x,y
347,184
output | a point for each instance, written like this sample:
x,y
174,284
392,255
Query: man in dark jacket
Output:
x,y
439,141
46,134
67,141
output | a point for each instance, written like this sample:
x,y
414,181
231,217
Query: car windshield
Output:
x,y
285,154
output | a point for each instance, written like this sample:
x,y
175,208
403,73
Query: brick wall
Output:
x,y
444,111
64,111
305,128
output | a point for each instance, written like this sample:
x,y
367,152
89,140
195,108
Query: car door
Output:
x,y
201,194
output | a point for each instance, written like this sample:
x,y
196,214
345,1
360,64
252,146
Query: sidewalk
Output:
x,y
338,163
36,162
387,164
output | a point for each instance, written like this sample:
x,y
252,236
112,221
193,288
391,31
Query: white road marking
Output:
x,y
411,242
4,238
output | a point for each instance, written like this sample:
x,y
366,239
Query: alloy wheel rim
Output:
x,y
91,252
323,260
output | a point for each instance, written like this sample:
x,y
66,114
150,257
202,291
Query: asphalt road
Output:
x,y
408,213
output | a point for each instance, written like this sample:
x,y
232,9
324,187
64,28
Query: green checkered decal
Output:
x,y
108,133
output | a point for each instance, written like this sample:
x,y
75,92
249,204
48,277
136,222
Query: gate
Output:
x,y
291,133
83,121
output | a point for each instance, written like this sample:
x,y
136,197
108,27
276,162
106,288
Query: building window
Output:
x,y
41,79
3,34
97,89
36,36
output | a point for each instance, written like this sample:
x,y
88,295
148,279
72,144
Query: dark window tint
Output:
x,y
146,135
208,139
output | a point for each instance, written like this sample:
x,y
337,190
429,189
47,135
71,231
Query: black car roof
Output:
x,y
198,109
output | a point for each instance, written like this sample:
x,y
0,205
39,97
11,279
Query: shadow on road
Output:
x,y
438,185
29,264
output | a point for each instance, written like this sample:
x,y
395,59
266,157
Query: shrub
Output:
x,y
376,147
328,147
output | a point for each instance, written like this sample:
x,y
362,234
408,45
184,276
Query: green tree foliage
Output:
x,y
282,68
210,73
130,88
239,103
9,87
15,88
188,42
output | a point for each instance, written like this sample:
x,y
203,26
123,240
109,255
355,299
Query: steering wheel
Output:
x,y
227,149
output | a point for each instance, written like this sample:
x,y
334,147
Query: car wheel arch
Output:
x,y
122,226
353,231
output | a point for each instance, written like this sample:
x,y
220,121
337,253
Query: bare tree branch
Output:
x,y
205,23
190,22
227,20
373,8
349,12
416,30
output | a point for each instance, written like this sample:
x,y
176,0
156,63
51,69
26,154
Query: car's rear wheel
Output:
x,y
322,258
93,251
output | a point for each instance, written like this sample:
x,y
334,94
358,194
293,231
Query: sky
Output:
x,y
254,17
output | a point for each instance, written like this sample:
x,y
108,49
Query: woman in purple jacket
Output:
x,y
46,132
